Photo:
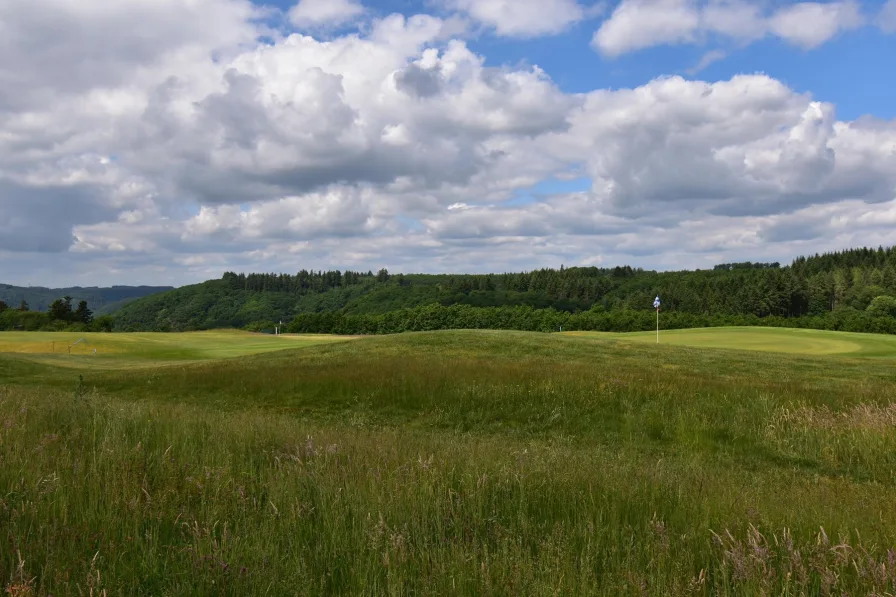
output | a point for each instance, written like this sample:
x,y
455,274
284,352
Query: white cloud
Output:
x,y
53,47
522,18
184,152
706,60
810,24
339,211
639,24
741,20
744,146
303,115
315,13
886,20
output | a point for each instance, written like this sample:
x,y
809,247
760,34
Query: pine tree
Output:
x,y
889,278
82,313
61,309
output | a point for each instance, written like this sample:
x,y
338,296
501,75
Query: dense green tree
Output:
x,y
821,294
103,323
883,306
3,306
13,319
23,306
889,278
82,313
61,309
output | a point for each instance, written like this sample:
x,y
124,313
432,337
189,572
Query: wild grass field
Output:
x,y
469,463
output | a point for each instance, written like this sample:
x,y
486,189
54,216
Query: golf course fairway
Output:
x,y
787,340
123,350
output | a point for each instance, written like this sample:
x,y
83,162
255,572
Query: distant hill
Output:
x,y
101,301
815,285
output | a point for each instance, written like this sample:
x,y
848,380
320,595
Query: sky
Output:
x,y
169,141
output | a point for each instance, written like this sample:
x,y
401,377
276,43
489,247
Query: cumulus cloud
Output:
x,y
176,154
639,24
523,18
302,115
810,24
748,145
53,47
316,13
740,20
337,212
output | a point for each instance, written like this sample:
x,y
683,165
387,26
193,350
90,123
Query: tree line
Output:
x,y
304,282
60,316
811,286
23,306
456,317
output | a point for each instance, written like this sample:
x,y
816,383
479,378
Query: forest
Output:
x,y
61,315
37,308
826,291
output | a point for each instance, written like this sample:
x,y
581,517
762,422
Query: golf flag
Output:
x,y
656,303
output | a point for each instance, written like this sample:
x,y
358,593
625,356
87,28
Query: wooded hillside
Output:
x,y
101,300
810,286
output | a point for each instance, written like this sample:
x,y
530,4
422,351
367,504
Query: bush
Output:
x,y
260,326
883,306
439,317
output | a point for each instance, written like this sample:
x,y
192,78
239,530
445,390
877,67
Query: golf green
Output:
x,y
789,340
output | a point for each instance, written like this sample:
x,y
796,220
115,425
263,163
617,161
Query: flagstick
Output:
x,y
657,326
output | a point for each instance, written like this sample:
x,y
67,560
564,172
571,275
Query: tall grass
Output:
x,y
480,464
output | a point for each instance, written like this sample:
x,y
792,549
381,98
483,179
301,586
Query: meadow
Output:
x,y
470,463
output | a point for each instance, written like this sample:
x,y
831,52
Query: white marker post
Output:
x,y
656,305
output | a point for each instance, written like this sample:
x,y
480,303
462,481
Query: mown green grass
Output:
x,y
794,341
473,463
125,351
